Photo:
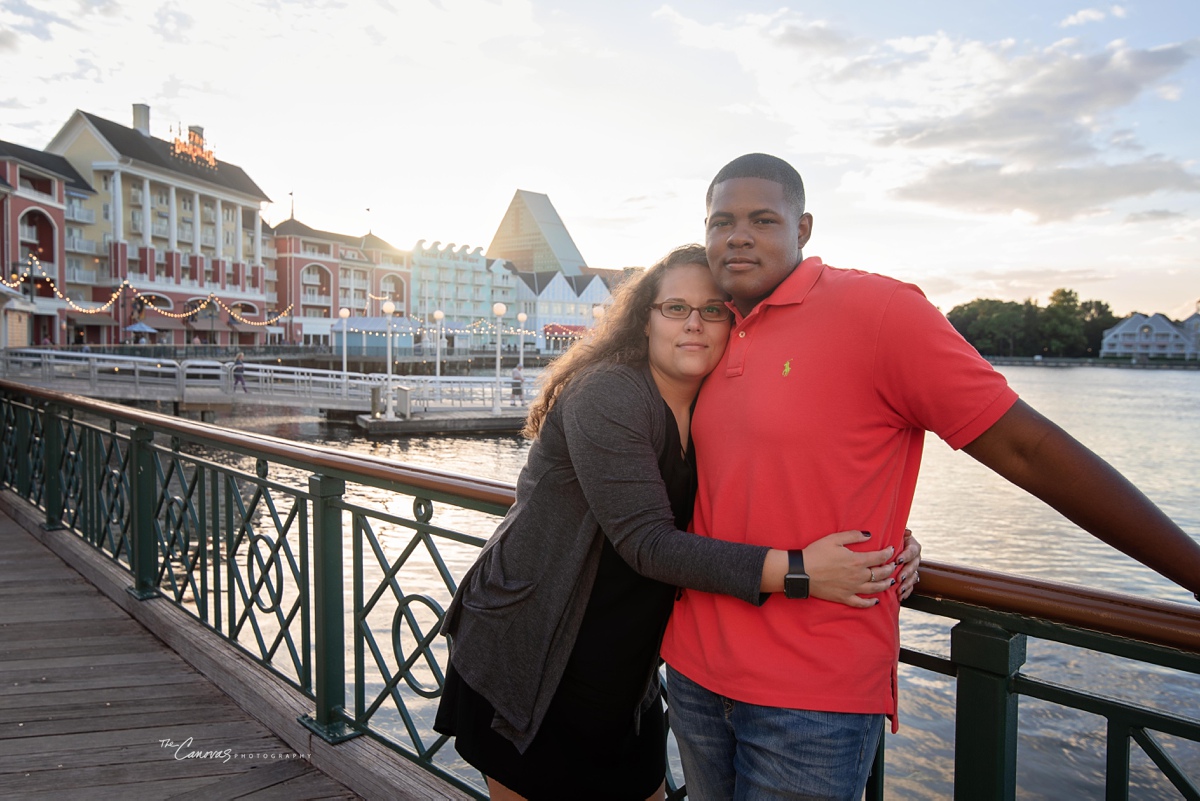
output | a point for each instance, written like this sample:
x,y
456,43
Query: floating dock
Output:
x,y
468,421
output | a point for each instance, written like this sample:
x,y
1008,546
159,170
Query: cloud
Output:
x,y
171,23
1153,215
1050,109
34,21
1055,194
8,40
1083,18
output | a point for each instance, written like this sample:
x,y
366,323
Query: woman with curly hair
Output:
x,y
552,689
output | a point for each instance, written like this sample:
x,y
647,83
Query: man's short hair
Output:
x,y
770,168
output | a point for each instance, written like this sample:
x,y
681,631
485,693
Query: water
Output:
x,y
1145,423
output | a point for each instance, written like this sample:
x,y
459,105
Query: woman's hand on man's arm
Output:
x,y
836,573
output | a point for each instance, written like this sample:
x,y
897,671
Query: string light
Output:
x,y
479,327
146,299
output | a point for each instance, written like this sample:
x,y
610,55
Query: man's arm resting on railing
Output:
x,y
1038,456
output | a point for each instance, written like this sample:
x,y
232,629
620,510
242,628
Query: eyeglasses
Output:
x,y
675,310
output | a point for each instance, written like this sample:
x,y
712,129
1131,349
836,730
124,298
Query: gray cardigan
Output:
x,y
593,472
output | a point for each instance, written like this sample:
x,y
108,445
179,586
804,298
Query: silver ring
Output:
x,y
872,571
916,576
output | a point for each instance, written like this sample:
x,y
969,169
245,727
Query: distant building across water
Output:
x,y
1153,337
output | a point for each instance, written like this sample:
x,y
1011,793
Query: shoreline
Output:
x,y
1063,361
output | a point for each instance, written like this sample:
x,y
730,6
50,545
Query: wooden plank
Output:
x,y
71,629
207,735
131,754
140,643
183,696
113,696
182,715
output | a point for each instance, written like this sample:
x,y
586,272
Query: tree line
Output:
x,y
1065,327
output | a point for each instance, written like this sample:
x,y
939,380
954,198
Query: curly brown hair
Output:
x,y
619,338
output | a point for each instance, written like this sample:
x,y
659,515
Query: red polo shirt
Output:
x,y
812,423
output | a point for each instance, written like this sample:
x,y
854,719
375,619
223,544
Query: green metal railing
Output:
x,y
251,535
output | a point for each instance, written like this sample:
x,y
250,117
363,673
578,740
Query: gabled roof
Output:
x,y
372,242
579,282
158,153
512,240
293,227
46,161
537,281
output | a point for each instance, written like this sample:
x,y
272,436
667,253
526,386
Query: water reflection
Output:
x,y
1146,423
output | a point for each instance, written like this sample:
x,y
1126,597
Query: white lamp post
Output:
x,y
438,316
521,318
344,313
498,309
388,309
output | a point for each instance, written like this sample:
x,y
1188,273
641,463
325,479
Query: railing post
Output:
x,y
22,442
329,624
985,728
143,550
52,456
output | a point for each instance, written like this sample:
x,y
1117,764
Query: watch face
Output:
x,y
795,586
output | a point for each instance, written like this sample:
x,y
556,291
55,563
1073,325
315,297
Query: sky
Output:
x,y
981,149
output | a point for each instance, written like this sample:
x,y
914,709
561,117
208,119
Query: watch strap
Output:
x,y
795,562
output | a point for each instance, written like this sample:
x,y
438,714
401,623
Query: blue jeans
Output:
x,y
735,750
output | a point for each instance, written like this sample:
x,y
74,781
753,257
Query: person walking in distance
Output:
x,y
518,387
239,373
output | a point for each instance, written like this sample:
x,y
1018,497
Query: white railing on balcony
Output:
x,y
81,276
80,214
273,296
184,234
269,251
29,233
161,228
80,245
208,239
271,275
313,297
135,197
309,278
135,224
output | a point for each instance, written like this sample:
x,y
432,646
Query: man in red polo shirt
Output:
x,y
812,422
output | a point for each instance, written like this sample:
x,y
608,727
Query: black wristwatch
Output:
x,y
795,581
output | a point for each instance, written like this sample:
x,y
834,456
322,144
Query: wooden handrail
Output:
x,y
1166,623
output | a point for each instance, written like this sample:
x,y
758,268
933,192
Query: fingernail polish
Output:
x,y
867,534
893,582
900,561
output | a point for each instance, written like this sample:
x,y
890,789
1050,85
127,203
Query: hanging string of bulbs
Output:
x,y
479,327
146,300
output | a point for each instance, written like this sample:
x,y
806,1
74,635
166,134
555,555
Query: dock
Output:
x,y
461,421
92,704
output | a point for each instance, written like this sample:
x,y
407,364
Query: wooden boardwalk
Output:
x,y
94,706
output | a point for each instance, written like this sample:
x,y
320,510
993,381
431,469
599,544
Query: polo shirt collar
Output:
x,y
793,289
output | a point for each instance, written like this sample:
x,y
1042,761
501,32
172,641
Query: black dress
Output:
x,y
587,746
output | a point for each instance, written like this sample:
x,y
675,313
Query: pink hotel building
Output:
x,y
109,227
